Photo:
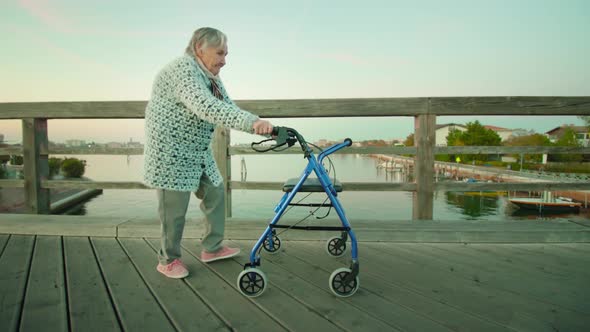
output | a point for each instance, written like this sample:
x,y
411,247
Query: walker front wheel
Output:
x,y
336,246
252,282
276,244
339,285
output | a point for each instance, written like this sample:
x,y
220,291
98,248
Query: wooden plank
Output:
x,y
510,150
96,150
389,230
438,150
512,261
392,313
348,186
36,166
276,303
321,300
134,303
508,105
335,107
507,308
69,184
451,317
296,149
27,224
233,307
462,296
186,310
90,306
221,142
576,247
558,254
565,292
14,272
511,186
12,183
423,198
74,110
45,305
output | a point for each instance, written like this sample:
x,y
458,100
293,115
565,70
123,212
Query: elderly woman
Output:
x,y
188,101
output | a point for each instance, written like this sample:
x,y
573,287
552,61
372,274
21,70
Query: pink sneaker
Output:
x,y
176,269
223,253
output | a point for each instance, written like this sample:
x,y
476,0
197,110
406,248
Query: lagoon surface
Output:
x,y
260,203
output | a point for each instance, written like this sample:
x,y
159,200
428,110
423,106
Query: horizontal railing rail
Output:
x,y
362,107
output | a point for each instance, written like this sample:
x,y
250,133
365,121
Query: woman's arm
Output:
x,y
195,95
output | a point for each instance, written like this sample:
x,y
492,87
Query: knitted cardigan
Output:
x,y
179,122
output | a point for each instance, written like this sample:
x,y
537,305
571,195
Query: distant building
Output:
x,y
114,145
582,134
504,133
74,143
134,145
322,142
443,130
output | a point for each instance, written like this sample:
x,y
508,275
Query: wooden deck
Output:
x,y
60,283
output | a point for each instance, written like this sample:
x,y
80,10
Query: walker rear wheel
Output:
x,y
252,282
336,246
338,284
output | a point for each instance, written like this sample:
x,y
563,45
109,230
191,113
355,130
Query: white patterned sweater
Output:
x,y
179,122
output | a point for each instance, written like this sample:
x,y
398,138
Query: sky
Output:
x,y
72,50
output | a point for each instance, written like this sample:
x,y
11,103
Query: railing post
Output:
x,y
36,166
424,140
221,143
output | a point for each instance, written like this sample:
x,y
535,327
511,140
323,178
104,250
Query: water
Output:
x,y
260,203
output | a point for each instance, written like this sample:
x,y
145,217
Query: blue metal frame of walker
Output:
x,y
314,165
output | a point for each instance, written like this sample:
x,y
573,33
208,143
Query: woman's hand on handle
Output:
x,y
262,127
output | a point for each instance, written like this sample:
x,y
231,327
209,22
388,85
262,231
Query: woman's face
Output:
x,y
213,57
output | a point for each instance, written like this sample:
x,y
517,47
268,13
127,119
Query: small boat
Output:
x,y
547,203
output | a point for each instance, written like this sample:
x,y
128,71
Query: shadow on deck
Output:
x,y
58,283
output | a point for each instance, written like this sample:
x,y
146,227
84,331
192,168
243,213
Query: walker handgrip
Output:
x,y
275,131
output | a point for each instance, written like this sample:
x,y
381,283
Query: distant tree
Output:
x,y
16,160
409,140
475,135
54,165
478,135
455,138
529,140
73,168
568,138
587,120
375,142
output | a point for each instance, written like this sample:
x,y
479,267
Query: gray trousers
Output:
x,y
172,206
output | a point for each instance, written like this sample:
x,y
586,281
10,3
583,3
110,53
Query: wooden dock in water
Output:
x,y
63,273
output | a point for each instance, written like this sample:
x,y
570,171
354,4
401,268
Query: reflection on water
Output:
x,y
473,204
260,203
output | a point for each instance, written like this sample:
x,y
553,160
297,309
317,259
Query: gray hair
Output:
x,y
206,37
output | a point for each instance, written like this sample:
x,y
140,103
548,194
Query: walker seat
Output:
x,y
311,185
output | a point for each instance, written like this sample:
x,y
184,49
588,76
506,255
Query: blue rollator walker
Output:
x,y
343,282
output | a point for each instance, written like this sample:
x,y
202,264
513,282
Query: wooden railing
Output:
x,y
424,110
